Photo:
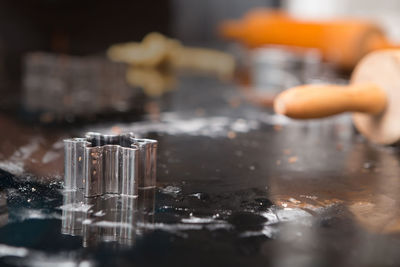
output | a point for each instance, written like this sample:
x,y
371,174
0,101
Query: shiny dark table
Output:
x,y
236,186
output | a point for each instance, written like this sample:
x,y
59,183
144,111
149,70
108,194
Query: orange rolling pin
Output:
x,y
342,42
373,95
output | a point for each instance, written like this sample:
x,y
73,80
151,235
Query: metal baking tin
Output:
x,y
109,164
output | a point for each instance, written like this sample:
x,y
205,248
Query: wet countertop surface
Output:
x,y
236,185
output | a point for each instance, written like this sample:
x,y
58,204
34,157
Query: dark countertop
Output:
x,y
236,186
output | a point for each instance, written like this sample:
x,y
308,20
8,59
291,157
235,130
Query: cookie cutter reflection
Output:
x,y
110,218
3,209
146,206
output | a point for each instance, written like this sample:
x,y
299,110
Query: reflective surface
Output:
x,y
236,185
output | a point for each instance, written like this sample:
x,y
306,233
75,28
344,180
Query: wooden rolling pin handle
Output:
x,y
318,101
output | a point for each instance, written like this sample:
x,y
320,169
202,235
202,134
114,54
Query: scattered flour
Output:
x,y
77,207
171,190
13,251
193,219
174,124
27,214
14,167
15,163
50,156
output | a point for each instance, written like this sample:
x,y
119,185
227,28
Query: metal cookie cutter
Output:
x,y
109,164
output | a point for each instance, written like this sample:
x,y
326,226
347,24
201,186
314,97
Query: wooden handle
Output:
x,y
318,101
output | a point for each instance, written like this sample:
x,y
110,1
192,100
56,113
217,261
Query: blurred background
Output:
x,y
278,59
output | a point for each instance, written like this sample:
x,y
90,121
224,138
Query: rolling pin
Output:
x,y
373,95
343,41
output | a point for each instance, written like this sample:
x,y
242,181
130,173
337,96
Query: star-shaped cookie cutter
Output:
x,y
102,164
